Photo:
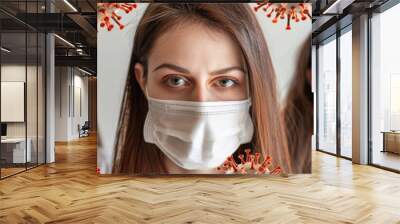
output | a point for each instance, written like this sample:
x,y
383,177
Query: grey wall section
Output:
x,y
92,101
50,99
360,90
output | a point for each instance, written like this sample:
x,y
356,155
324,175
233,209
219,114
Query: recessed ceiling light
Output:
x,y
337,7
84,71
64,40
70,5
5,50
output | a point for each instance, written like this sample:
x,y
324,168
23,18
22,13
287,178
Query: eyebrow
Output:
x,y
184,70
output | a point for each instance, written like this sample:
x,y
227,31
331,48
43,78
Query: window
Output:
x,y
327,96
385,89
346,93
334,106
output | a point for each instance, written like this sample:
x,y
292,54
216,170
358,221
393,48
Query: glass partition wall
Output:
x,y
22,78
14,153
334,83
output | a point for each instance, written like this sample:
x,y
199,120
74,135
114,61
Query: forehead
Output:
x,y
194,43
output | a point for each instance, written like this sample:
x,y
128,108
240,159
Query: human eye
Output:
x,y
226,82
175,81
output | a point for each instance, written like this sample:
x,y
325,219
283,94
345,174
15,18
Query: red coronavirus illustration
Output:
x,y
280,11
108,14
249,164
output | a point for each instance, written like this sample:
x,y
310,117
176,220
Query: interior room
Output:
x,y
22,103
25,64
52,126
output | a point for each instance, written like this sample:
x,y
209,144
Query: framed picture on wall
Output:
x,y
204,88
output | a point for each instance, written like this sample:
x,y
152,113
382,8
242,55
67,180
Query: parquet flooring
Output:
x,y
10,171
69,191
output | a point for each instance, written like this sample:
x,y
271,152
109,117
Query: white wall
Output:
x,y
61,103
114,49
80,83
68,81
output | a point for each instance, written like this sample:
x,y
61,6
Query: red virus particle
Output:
x,y
249,164
108,14
280,11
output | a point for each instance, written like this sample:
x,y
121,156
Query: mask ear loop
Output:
x,y
146,93
149,98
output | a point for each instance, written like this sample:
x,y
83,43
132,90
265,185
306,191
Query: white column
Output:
x,y
50,98
314,90
360,90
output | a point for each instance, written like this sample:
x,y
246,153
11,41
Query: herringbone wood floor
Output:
x,y
69,191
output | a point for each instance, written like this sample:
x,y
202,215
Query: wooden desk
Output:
x,y
391,141
13,150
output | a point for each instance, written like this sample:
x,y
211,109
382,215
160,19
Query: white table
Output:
x,y
18,149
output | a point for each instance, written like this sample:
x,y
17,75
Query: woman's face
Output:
x,y
194,63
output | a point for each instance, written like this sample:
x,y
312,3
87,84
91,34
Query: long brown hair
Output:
x,y
298,112
132,154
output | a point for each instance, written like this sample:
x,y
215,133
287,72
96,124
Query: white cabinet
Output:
x,y
17,146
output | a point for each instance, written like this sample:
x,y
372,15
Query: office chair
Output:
x,y
84,130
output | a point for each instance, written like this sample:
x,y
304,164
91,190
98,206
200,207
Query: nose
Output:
x,y
201,93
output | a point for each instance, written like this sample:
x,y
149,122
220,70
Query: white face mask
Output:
x,y
198,135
